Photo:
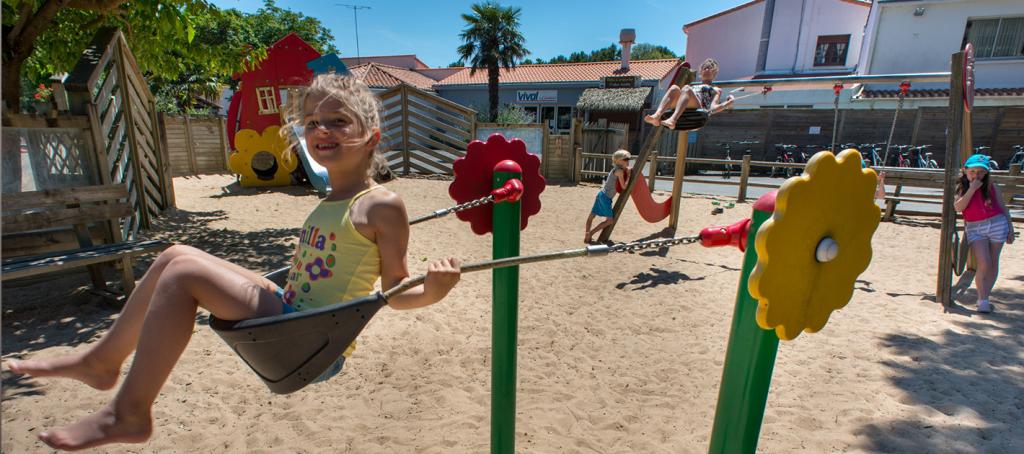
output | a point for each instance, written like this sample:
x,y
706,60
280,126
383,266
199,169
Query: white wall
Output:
x,y
792,45
731,40
904,43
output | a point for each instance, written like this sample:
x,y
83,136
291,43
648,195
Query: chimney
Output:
x,y
626,38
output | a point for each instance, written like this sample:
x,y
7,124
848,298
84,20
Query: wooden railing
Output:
x,y
424,133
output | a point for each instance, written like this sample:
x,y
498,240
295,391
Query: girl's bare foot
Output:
x,y
653,119
76,366
670,123
100,428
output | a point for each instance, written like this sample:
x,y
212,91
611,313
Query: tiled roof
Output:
x,y
941,93
567,72
378,75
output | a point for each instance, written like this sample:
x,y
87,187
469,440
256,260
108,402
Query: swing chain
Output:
x,y
653,244
471,204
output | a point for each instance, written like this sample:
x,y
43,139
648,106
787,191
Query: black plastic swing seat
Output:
x,y
690,120
289,351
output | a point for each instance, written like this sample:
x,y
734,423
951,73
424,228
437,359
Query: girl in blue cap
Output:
x,y
988,223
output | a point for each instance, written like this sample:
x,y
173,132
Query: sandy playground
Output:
x,y
616,354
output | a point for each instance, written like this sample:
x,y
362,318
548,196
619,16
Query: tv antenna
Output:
x,y
355,16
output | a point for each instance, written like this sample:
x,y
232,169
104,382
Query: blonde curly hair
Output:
x,y
358,103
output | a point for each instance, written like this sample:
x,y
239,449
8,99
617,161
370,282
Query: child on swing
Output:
x,y
681,95
362,232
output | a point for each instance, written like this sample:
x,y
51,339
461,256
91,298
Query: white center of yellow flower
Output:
x,y
827,250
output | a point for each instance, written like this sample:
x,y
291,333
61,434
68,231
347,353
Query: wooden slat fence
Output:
x,y
422,132
107,86
195,145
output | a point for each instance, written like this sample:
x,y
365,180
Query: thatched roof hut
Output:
x,y
617,100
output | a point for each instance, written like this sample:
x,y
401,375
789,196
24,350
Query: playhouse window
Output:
x,y
831,50
267,100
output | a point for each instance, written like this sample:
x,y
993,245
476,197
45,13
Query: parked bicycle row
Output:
x,y
909,156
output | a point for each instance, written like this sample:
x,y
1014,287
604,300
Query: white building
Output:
x,y
781,38
919,36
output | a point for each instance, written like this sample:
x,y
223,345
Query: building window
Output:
x,y
996,38
266,100
831,50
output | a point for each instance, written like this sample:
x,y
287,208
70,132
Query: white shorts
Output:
x,y
994,229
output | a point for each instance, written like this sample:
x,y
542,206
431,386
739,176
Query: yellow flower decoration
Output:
x,y
817,242
262,159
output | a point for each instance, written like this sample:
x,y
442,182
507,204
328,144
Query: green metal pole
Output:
x,y
505,291
749,360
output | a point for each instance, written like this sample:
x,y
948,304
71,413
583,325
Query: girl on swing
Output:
x,y
362,229
681,95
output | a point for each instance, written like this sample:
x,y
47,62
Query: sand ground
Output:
x,y
616,354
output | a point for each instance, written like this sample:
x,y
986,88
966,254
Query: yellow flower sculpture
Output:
x,y
817,242
262,159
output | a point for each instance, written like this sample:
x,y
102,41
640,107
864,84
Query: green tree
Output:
x,y
645,51
229,34
43,37
491,40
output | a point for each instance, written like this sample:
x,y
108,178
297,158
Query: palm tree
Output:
x,y
491,40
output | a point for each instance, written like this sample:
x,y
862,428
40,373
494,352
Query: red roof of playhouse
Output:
x,y
285,64
567,72
378,75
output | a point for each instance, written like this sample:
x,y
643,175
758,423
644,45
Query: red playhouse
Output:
x,y
254,115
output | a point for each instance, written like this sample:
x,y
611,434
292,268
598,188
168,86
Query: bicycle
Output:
x,y
869,151
992,164
787,155
901,157
1018,156
921,159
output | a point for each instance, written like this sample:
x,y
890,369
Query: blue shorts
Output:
x,y
335,367
602,206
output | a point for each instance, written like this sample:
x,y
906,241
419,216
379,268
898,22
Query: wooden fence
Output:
x,y
195,145
107,87
422,132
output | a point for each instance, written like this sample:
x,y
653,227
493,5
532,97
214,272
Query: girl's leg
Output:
x,y
590,221
186,283
687,100
982,255
600,227
670,97
995,248
100,365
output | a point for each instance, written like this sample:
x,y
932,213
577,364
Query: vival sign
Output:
x,y
536,96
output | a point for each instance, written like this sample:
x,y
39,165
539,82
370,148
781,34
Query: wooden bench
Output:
x,y
58,229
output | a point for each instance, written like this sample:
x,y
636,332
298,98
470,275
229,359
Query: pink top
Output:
x,y
978,210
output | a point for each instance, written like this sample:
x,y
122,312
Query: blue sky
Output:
x,y
430,29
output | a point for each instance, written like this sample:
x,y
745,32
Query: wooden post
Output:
x,y
745,175
405,129
943,291
890,205
190,151
682,147
579,164
98,143
160,142
620,201
917,126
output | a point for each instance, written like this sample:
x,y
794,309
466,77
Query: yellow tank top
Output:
x,y
333,262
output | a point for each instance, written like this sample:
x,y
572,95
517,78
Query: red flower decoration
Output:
x,y
473,175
